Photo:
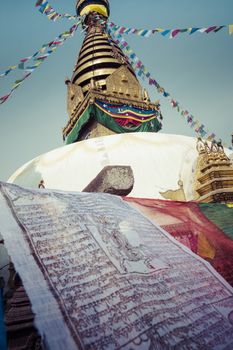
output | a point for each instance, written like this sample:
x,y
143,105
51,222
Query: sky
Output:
x,y
196,70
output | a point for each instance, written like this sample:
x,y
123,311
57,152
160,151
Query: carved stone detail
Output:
x,y
118,180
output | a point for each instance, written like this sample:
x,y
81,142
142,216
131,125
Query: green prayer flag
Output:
x,y
21,65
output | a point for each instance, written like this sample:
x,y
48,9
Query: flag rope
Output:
x,y
142,72
51,47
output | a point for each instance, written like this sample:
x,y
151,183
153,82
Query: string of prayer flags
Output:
x,y
142,72
171,33
21,64
39,59
4,98
44,47
46,9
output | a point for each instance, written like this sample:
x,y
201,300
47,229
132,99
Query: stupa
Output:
x,y
113,122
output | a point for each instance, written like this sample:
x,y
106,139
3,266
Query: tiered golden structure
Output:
x,y
102,72
214,174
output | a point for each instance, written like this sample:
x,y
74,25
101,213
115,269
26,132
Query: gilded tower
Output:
x,y
104,95
214,174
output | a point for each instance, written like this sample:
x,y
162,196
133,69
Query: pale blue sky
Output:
x,y
196,69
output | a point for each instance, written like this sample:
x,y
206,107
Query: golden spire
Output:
x,y
102,72
99,57
83,7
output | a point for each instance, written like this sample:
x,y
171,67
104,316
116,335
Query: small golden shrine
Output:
x,y
214,173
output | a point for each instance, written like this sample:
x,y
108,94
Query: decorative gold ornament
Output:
x,y
214,173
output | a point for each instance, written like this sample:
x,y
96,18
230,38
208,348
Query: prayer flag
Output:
x,y
39,2
43,7
202,30
21,65
193,30
26,59
4,98
184,30
8,71
174,33
211,137
218,28
165,32
189,119
210,29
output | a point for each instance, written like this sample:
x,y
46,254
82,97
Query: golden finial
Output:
x,y
83,7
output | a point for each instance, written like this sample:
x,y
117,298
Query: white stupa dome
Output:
x,y
159,161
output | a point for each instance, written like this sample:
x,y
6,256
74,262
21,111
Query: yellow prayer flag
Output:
x,y
46,7
16,85
230,29
42,50
37,64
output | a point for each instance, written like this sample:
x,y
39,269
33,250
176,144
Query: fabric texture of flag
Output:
x,y
206,229
102,275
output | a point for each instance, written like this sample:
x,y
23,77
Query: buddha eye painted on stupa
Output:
x,y
83,7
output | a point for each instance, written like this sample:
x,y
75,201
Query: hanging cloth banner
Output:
x,y
127,112
142,72
171,33
100,275
206,228
110,117
46,9
38,59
